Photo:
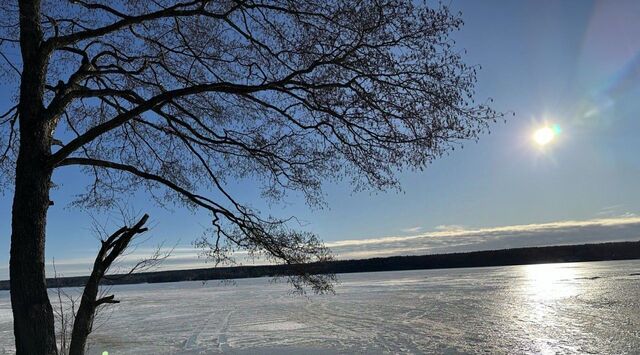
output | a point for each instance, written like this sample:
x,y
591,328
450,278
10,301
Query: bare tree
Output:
x,y
76,315
112,248
182,97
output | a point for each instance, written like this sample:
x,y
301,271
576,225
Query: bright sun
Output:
x,y
543,136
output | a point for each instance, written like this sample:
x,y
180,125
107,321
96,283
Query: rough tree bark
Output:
x,y
33,316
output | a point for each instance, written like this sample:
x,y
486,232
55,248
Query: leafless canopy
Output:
x,y
185,97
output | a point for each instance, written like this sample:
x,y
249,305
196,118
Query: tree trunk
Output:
x,y
33,319
83,321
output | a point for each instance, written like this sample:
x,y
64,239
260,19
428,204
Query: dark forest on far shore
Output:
x,y
503,257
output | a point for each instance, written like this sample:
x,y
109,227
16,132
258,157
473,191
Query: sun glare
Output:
x,y
545,135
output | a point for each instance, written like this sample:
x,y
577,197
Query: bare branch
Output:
x,y
180,9
11,65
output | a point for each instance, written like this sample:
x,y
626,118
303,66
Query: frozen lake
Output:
x,y
550,308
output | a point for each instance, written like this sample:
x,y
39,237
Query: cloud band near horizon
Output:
x,y
623,228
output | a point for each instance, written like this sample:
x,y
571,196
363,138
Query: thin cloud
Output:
x,y
412,229
445,239
610,211
449,227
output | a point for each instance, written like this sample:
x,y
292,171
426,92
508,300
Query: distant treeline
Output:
x,y
517,256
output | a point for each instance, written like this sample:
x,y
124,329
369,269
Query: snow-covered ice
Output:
x,y
552,308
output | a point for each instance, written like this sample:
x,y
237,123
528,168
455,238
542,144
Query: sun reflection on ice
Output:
x,y
550,281
546,290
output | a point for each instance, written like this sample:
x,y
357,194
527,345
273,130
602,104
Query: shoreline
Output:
x,y
486,258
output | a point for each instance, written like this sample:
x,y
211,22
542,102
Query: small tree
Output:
x,y
111,248
181,97
76,315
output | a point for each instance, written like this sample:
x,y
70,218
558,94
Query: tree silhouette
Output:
x,y
183,97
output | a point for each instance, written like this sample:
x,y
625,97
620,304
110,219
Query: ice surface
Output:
x,y
552,308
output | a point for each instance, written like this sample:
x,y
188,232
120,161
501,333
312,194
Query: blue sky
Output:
x,y
573,63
